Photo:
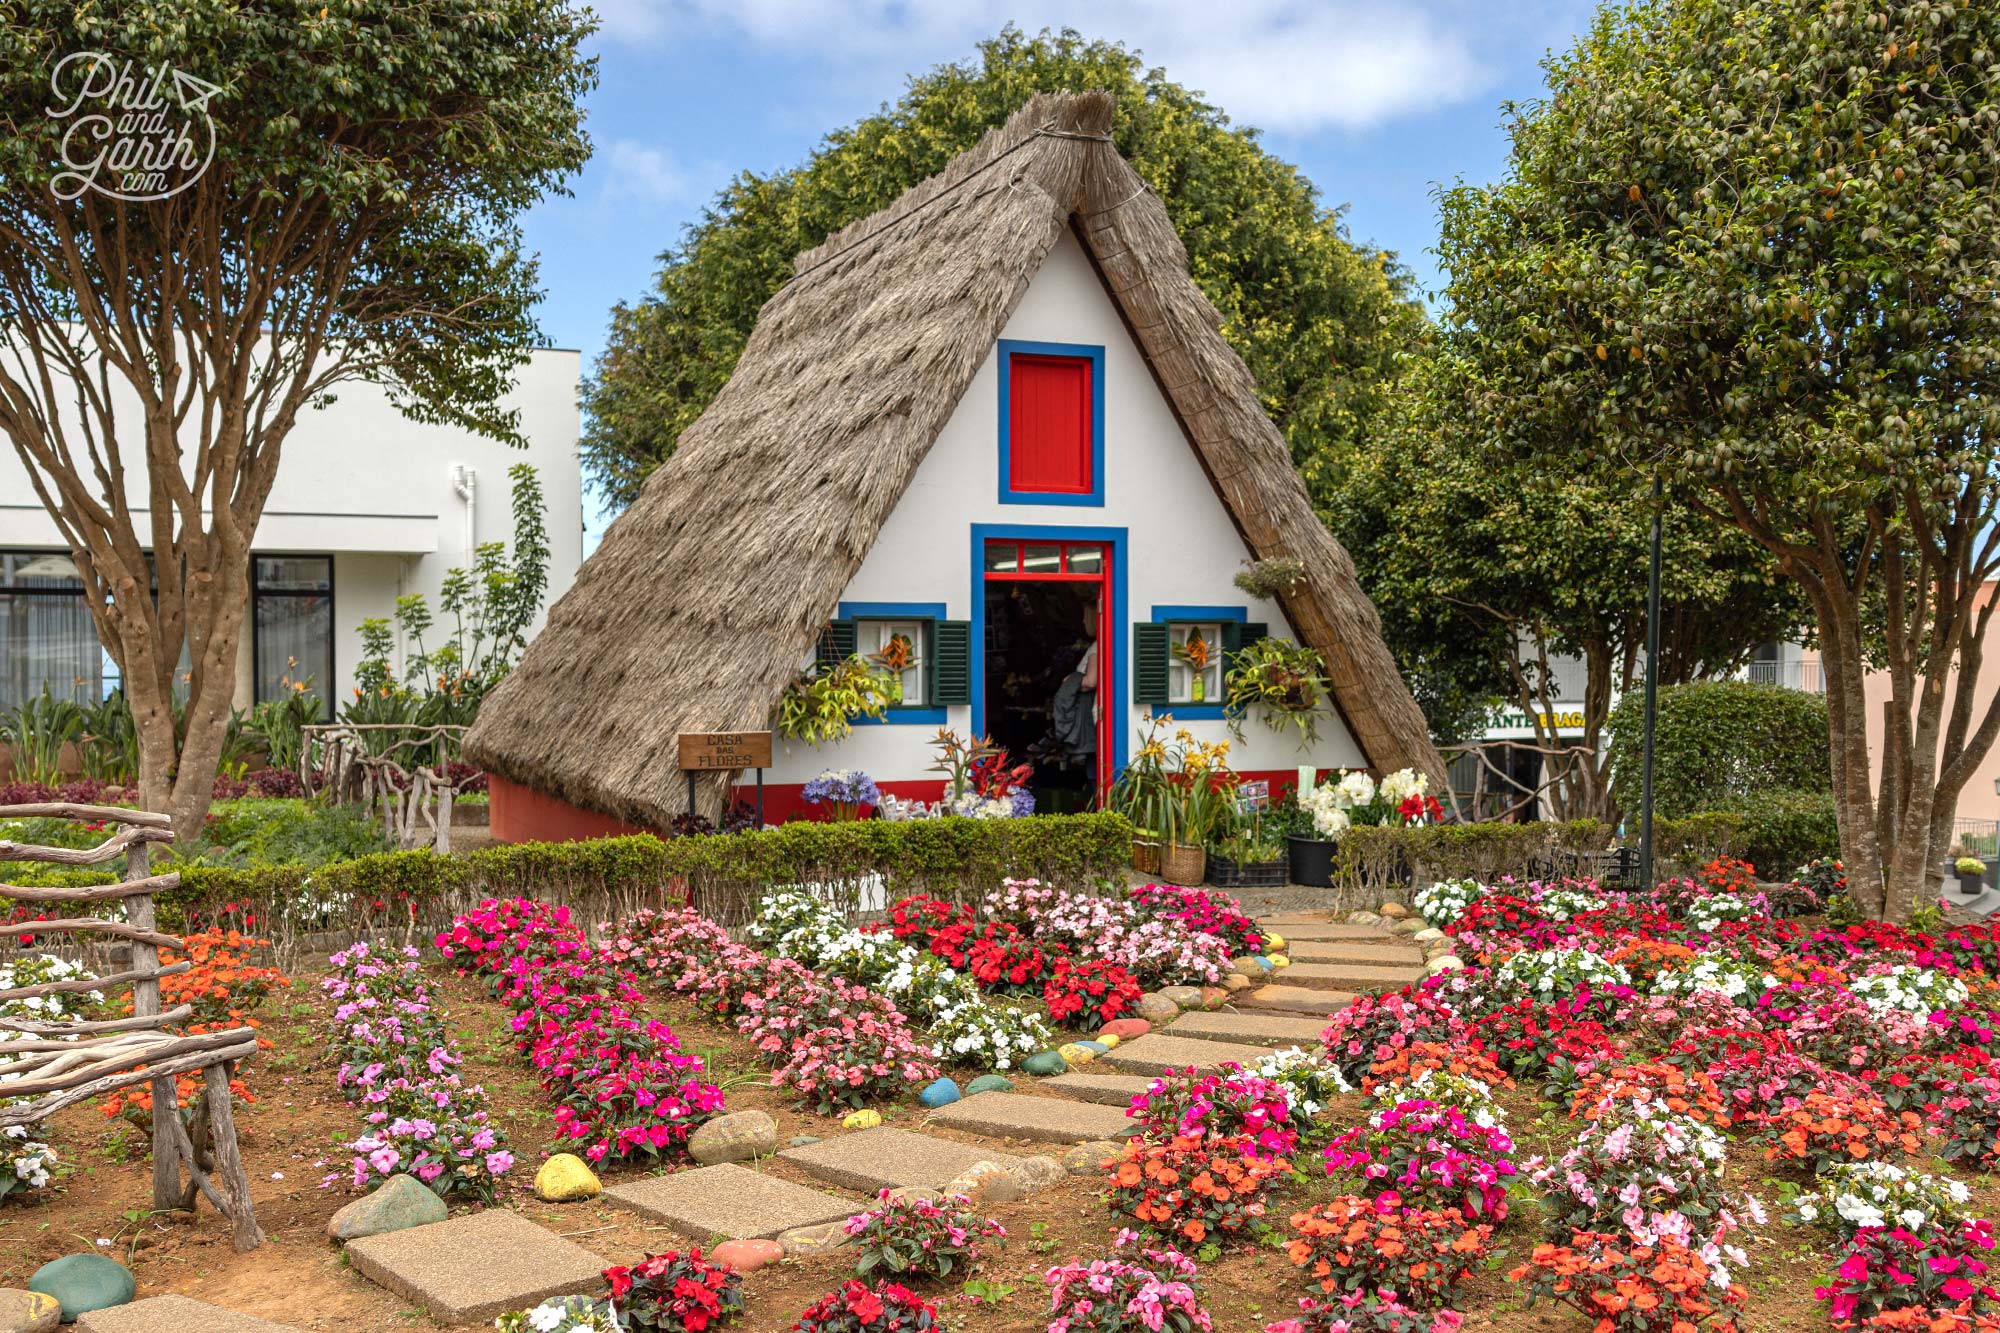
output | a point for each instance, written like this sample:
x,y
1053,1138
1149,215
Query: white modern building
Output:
x,y
368,506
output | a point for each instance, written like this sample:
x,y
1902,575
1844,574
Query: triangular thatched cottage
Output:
x,y
983,429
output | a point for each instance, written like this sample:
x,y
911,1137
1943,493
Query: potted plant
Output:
x,y
1284,682
1252,857
844,792
1971,876
1178,790
1196,653
820,705
1330,809
1142,793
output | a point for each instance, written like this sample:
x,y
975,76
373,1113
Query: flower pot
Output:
x,y
1183,865
1310,861
1970,886
1225,873
1145,854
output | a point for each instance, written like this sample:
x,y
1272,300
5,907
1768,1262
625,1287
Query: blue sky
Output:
x,y
1377,102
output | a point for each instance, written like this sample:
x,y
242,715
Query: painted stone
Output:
x,y
1075,1054
1156,1008
28,1311
985,1182
861,1120
1094,1046
1247,965
738,1137
941,1093
1235,982
802,1140
1107,1040
1045,1063
396,1204
81,1283
1213,997
747,1256
989,1083
1279,960
565,1179
1125,1029
1273,941
1187,997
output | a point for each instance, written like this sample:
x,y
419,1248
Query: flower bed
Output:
x,y
622,1085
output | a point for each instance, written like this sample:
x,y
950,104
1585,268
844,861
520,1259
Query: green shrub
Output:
x,y
1779,830
1720,741
859,864
1373,861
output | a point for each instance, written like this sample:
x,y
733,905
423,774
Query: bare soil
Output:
x,y
292,1138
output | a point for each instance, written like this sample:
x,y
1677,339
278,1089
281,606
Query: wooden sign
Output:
x,y
725,750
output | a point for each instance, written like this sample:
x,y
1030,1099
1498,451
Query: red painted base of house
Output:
x,y
523,814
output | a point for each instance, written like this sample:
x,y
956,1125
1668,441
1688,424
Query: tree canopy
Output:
x,y
340,204
1317,317
1755,249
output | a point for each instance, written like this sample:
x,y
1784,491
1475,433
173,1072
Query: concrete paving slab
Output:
x,y
730,1201
469,1269
873,1160
1351,976
1375,952
1156,1052
1010,1115
1325,930
174,1314
1250,1029
1105,1089
1293,1000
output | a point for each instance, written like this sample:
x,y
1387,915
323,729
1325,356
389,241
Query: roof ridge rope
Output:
x,y
1046,131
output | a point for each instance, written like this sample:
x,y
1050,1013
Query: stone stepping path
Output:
x,y
1294,1000
873,1160
1157,1052
729,1201
1010,1115
174,1314
1252,1029
472,1268
1105,1089
1351,976
1378,952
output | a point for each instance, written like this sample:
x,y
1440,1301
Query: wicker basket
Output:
x,y
1186,866
1146,856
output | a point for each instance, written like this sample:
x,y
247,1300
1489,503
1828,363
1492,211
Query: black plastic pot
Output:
x,y
1310,861
1224,873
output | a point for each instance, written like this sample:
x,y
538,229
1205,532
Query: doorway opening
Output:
x,y
1045,623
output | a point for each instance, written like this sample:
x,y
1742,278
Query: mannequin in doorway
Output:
x,y
1074,713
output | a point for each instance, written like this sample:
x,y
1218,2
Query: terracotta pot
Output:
x,y
1186,866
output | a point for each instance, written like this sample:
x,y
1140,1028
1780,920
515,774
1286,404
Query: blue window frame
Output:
x,y
1111,657
901,715
1094,497
1199,615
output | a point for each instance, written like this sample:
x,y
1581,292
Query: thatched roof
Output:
x,y
709,590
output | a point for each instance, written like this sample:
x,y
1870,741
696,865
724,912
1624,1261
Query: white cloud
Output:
x,y
1286,65
630,170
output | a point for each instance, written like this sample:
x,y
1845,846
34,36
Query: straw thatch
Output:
x,y
712,587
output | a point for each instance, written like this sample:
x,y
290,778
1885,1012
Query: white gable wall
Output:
x,y
1182,548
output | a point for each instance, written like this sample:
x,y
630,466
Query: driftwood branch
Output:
x,y
91,814
95,925
93,893
82,984
70,1064
108,850
29,1113
136,1023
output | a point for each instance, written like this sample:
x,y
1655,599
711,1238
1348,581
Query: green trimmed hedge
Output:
x,y
1779,831
1720,743
723,874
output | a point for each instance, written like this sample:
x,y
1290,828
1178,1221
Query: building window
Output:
x,y
1196,674
903,649
47,640
1051,424
292,621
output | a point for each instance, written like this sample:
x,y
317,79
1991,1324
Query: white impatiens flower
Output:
x,y
1911,989
1445,901
1848,1196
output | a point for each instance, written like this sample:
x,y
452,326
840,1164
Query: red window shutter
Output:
x,y
1048,428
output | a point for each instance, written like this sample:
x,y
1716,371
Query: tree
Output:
x,y
1489,567
354,219
1317,318
1757,247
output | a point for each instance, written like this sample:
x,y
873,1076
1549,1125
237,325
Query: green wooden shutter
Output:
x,y
1149,662
1236,636
837,643
951,662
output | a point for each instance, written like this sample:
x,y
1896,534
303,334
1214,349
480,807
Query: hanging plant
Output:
x,y
1268,578
823,702
1282,681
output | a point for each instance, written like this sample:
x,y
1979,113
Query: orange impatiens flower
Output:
x,y
1354,1243
1196,1189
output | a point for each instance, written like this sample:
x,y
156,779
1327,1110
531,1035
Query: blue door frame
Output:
x,y
1110,655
